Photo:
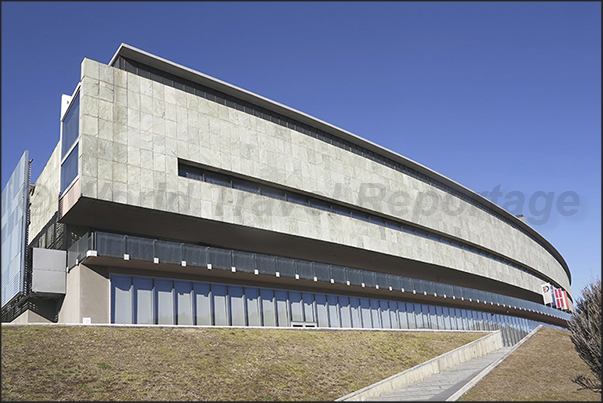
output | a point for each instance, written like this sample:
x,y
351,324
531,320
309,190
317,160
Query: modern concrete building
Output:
x,y
178,198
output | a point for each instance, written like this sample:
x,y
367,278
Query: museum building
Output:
x,y
175,198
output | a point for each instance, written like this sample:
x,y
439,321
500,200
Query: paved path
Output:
x,y
440,387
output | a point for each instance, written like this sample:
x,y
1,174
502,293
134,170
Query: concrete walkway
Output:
x,y
446,384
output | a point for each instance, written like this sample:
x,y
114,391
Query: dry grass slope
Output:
x,y
108,363
539,370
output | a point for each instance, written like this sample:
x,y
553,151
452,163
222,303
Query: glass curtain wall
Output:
x,y
144,300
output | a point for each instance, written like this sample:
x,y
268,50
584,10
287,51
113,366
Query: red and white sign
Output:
x,y
566,300
561,299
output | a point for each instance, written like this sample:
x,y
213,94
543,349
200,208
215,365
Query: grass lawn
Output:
x,y
539,370
129,363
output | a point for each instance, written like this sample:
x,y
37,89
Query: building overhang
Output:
x,y
98,215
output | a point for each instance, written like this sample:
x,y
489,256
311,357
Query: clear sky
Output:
x,y
489,94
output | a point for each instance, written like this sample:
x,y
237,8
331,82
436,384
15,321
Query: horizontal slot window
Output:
x,y
194,172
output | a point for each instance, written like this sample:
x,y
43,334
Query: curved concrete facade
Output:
x,y
135,130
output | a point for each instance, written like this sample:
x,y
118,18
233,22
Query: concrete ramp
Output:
x,y
446,377
444,385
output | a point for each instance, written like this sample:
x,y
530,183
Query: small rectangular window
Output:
x,y
360,216
319,204
69,169
71,125
272,192
297,199
167,81
217,179
341,210
156,77
144,72
245,185
190,172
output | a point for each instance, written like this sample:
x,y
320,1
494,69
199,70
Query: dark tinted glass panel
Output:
x,y
129,67
139,248
393,225
293,198
71,125
168,252
338,274
190,172
322,272
110,245
407,284
244,261
272,192
143,72
360,216
340,210
156,77
382,280
245,185
216,178
319,204
199,91
480,295
266,264
304,269
69,169
220,258
394,282
368,278
195,255
419,285
286,267
377,220
354,276
429,286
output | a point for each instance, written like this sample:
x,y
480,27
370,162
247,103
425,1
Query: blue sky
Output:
x,y
489,94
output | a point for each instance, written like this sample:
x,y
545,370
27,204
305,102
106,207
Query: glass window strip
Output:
x,y
267,263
